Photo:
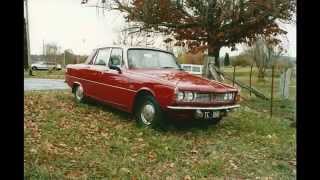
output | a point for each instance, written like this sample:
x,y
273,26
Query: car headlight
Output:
x,y
180,96
226,97
189,96
230,96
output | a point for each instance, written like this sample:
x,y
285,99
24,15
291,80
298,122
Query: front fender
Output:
x,y
165,95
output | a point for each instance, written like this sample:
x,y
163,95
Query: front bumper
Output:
x,y
203,108
193,112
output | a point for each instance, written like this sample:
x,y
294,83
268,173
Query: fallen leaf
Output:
x,y
124,171
269,136
62,145
293,163
32,150
140,140
74,174
193,151
171,165
151,156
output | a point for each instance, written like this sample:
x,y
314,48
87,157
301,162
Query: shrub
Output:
x,y
226,60
241,60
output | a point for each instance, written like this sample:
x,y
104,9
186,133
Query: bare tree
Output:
x,y
264,54
51,52
130,34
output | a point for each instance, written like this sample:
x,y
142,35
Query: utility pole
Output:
x,y
42,49
28,38
64,58
147,40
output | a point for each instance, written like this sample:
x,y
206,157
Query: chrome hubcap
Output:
x,y
79,93
147,113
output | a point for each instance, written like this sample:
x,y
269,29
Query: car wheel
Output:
x,y
149,113
79,94
34,68
214,121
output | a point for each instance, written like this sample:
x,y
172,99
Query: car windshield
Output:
x,y
147,58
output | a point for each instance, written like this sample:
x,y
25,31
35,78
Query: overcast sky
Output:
x,y
73,26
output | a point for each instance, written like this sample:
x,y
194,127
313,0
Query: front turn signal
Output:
x,y
238,98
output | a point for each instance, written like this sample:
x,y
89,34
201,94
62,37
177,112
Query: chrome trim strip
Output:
x,y
102,83
204,108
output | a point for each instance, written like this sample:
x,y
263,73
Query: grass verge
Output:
x,y
66,140
55,74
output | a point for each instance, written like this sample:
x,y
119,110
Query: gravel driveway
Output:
x,y
44,84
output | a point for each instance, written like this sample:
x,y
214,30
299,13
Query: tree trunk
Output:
x,y
214,51
25,52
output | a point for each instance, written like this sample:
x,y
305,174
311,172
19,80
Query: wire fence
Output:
x,y
278,86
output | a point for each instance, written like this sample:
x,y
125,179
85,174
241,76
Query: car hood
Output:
x,y
187,81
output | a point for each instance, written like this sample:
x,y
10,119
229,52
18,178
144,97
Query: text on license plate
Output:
x,y
211,114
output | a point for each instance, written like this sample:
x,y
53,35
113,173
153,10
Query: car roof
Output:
x,y
132,47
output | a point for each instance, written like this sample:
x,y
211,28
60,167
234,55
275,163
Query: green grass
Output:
x,y
46,74
66,140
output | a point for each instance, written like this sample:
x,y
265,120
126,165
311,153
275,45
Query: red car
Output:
x,y
151,84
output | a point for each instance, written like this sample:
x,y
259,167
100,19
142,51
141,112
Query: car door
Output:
x,y
42,65
118,92
93,74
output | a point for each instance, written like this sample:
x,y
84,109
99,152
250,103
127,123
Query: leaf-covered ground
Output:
x,y
65,140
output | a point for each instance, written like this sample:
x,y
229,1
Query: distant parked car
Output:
x,y
151,84
45,66
192,68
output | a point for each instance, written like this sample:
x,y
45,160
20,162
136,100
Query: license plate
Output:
x,y
211,114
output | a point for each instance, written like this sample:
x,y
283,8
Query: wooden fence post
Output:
x,y
272,79
234,75
250,76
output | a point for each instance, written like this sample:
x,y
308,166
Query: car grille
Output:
x,y
211,98
219,97
203,98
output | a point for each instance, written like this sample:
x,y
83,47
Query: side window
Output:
x,y
116,57
102,57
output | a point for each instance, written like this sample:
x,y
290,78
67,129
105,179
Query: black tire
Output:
x,y
34,68
214,121
79,94
157,120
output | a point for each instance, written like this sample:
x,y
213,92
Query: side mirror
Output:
x,y
115,68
